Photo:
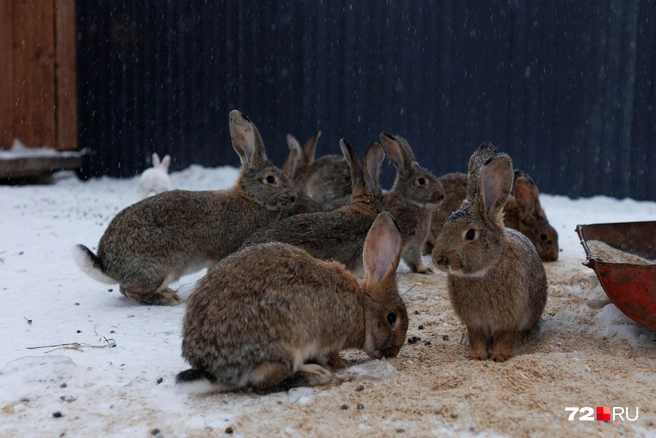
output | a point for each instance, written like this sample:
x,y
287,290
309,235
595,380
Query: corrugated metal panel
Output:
x,y
567,89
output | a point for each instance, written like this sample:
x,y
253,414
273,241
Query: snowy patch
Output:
x,y
371,370
19,150
618,324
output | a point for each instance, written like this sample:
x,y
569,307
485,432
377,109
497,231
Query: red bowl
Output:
x,y
631,287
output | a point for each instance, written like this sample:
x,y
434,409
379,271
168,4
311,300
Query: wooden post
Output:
x,y
6,74
34,73
66,85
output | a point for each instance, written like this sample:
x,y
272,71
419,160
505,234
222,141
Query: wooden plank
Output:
x,y
65,77
6,75
37,166
34,73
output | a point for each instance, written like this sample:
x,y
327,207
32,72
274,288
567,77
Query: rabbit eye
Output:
x,y
271,179
421,181
543,236
470,235
391,318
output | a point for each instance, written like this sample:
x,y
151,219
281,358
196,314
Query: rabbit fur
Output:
x,y
336,235
324,179
155,180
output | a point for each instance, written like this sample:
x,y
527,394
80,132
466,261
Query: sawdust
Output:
x,y
610,254
438,392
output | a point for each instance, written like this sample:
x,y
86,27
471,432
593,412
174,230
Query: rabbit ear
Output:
x,y
495,182
291,163
357,175
398,151
156,162
246,141
394,151
382,250
166,161
373,164
310,149
476,161
526,193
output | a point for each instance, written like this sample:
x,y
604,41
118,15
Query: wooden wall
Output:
x,y
38,96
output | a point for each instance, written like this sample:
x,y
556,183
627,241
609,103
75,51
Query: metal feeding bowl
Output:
x,y
628,272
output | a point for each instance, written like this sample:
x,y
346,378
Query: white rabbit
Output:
x,y
156,179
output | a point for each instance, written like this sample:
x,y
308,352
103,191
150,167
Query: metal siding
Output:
x,y
567,90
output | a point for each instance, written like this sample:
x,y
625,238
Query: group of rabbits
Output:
x,y
285,247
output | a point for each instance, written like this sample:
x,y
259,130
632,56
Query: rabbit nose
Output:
x,y
442,261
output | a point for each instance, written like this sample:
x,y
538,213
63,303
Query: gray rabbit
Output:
x,y
156,241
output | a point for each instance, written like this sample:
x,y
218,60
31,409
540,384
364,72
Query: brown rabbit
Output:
x,y
304,204
523,212
260,315
413,198
153,243
336,235
325,179
497,283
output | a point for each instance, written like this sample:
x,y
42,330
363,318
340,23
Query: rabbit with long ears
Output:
x,y
304,204
496,280
523,212
339,234
156,179
260,315
154,242
324,179
413,198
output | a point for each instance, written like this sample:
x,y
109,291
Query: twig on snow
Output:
x,y
76,345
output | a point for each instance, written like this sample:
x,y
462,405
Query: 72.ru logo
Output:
x,y
603,413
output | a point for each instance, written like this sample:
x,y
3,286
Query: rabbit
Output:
x,y
413,198
260,315
496,281
156,241
325,179
336,235
522,212
156,179
304,204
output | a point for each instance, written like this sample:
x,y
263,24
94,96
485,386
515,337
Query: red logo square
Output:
x,y
603,413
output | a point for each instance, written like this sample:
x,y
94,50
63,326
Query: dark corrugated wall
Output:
x,y
566,88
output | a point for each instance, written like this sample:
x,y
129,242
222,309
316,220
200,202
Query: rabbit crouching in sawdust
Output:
x,y
272,312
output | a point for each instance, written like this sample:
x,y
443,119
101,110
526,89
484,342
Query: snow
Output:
x,y
19,150
121,375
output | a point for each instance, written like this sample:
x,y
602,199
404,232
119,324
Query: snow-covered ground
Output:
x,y
105,366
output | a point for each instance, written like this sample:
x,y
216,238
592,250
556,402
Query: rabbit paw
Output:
x,y
314,369
501,356
479,353
420,268
166,297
